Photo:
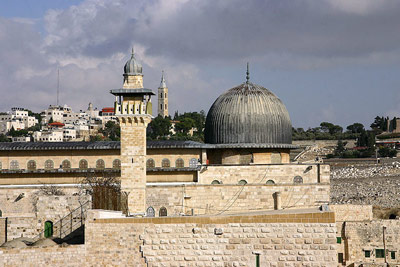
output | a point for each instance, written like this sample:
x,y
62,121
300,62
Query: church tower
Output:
x,y
133,110
163,98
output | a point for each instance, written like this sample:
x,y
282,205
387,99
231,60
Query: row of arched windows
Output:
x,y
296,180
65,165
166,163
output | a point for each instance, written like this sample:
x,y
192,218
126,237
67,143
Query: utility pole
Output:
x,y
58,83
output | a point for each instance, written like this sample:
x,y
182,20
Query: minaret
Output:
x,y
163,98
133,110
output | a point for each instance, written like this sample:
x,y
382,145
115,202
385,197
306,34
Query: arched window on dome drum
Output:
x,y
100,165
117,164
215,182
48,164
193,163
150,212
165,163
83,164
242,182
179,163
150,163
66,165
31,165
14,165
270,182
163,212
297,180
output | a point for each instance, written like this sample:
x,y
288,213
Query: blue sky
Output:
x,y
328,60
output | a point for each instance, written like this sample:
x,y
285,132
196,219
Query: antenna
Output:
x,y
58,83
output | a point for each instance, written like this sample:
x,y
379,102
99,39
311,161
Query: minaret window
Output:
x,y
161,95
165,95
161,106
165,106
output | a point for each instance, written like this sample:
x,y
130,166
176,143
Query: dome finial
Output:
x,y
247,73
133,50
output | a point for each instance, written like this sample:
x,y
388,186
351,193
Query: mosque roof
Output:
x,y
151,144
248,114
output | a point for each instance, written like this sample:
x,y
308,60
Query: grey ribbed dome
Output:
x,y
246,114
132,66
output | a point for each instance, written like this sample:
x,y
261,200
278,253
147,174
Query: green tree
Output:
x,y
185,125
355,128
387,152
111,131
4,138
159,128
340,148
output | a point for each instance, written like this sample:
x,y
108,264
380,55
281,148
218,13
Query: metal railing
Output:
x,y
67,224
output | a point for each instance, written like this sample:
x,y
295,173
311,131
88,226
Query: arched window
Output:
x,y
48,229
163,212
66,164
150,212
270,182
1,213
298,180
193,163
14,165
179,163
117,164
31,165
165,163
215,182
150,163
242,182
100,165
48,164
83,164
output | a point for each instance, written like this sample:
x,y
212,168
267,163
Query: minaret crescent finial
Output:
x,y
247,73
133,50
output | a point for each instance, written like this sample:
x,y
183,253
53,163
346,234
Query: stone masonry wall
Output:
x,y
3,230
279,239
352,212
26,216
214,199
279,173
358,237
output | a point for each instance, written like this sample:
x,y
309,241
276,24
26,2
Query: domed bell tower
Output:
x,y
133,110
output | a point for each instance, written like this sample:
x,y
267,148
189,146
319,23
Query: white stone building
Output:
x,y
18,119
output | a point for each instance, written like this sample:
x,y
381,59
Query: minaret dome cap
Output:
x,y
132,66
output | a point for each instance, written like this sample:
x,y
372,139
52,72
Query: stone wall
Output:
x,y
278,239
3,230
279,173
214,199
352,212
359,237
50,256
27,209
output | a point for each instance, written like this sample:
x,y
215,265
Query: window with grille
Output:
x,y
117,164
179,163
31,166
48,164
14,165
193,163
379,253
165,163
367,253
100,164
66,164
83,164
242,182
298,180
150,163
270,182
163,212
